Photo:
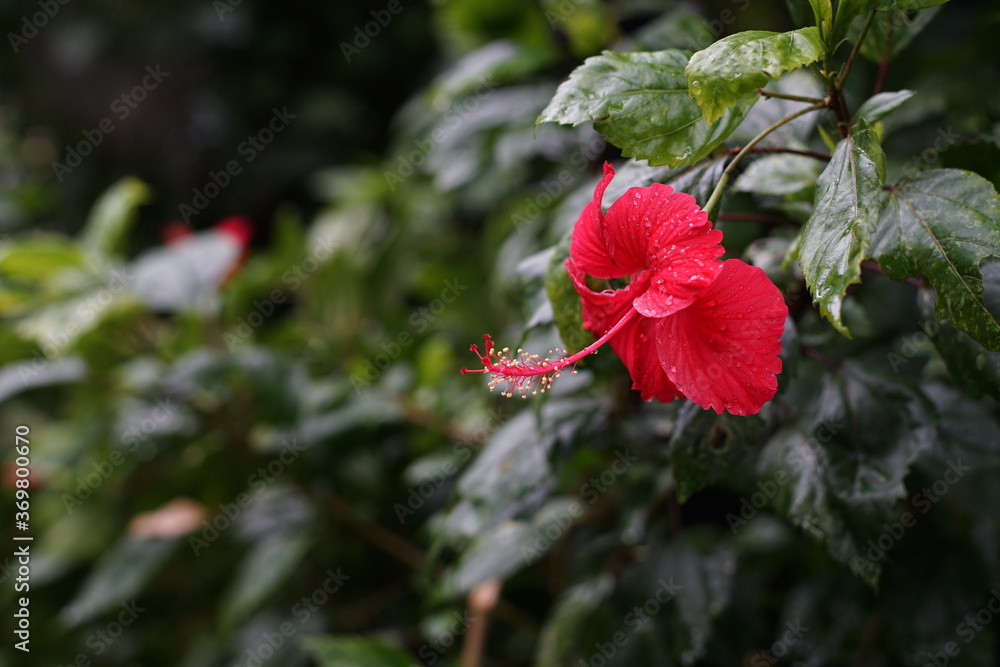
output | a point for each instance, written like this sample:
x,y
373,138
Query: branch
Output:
x,y
713,201
482,601
782,149
854,51
785,96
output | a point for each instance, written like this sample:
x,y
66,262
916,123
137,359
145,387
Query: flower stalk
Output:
x,y
523,371
713,200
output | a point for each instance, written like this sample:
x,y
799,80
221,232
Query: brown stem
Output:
x,y
856,49
837,101
781,149
839,108
785,96
482,601
883,70
713,200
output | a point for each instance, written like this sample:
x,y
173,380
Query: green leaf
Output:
x,y
355,651
943,224
847,11
881,105
118,578
512,473
707,447
838,473
699,568
836,237
559,637
725,73
911,4
38,257
823,15
260,574
113,214
990,269
567,309
974,368
967,431
891,32
513,545
779,175
640,102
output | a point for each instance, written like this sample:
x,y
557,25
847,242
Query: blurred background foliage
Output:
x,y
297,456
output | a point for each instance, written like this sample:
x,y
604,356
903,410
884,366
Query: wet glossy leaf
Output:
x,y
722,75
877,107
695,575
943,224
640,102
837,235
839,472
975,369
707,447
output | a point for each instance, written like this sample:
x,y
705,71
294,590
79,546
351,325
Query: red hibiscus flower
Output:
x,y
685,325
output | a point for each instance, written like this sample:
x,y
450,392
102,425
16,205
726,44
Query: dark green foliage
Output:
x,y
299,475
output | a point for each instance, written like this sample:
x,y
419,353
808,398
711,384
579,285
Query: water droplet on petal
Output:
x,y
673,368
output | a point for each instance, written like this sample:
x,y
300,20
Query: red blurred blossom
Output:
x,y
685,325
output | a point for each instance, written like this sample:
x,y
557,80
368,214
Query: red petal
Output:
x,y
722,351
602,310
634,343
665,231
588,247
